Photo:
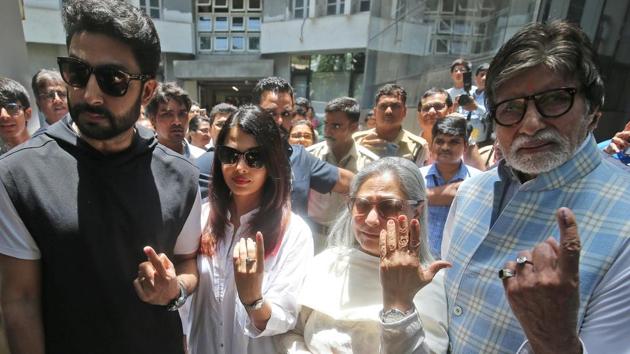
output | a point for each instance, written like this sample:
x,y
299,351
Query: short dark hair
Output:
x,y
452,124
461,61
347,105
221,108
303,102
299,111
165,92
195,122
560,46
270,219
391,90
482,67
273,84
119,20
13,91
42,78
436,91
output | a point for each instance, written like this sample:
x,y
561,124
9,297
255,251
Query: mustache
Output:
x,y
544,136
84,107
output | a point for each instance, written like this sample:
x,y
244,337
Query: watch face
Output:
x,y
393,315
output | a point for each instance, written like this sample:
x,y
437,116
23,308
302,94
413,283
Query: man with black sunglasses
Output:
x,y
93,207
540,245
15,112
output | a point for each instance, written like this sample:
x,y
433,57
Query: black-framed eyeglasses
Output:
x,y
112,80
550,104
12,108
229,156
52,94
386,208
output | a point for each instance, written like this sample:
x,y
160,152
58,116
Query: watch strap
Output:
x,y
256,305
179,301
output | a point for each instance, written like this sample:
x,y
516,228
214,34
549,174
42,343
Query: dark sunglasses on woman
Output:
x,y
229,156
386,208
111,79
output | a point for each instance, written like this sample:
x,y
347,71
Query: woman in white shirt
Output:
x,y
255,251
346,306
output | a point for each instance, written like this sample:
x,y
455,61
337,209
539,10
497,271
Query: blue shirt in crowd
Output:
x,y
438,213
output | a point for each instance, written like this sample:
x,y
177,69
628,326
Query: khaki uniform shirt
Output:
x,y
323,209
406,144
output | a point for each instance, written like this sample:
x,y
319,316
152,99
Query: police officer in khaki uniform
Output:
x,y
339,149
388,138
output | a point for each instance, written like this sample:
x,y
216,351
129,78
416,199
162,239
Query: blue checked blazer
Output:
x,y
483,238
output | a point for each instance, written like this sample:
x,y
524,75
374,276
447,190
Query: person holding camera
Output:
x,y
464,103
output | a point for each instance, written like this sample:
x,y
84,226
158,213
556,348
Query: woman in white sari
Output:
x,y
346,306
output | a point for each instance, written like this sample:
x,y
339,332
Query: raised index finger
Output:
x,y
155,261
570,246
260,252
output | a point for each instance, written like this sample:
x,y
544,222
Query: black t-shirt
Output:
x,y
91,215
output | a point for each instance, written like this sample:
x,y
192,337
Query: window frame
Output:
x,y
205,35
214,43
146,8
250,8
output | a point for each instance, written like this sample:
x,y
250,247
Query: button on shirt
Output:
x,y
218,321
438,213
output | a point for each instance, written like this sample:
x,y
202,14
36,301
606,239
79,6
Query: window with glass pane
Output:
x,y
364,5
335,7
220,3
205,43
238,5
300,8
238,43
445,26
238,24
431,5
254,5
204,2
151,7
221,23
448,6
253,44
220,44
441,46
204,23
253,24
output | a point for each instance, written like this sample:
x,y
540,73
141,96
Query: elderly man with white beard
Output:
x,y
540,246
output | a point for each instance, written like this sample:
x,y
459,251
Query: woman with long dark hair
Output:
x,y
255,252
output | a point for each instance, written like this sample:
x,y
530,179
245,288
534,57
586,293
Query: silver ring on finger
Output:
x,y
522,260
506,273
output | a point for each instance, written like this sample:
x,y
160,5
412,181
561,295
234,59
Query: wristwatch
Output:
x,y
179,301
394,315
256,305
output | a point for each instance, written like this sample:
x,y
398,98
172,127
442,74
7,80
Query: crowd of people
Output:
x,y
133,221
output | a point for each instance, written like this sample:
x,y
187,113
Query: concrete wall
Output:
x,y
43,25
223,67
328,33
